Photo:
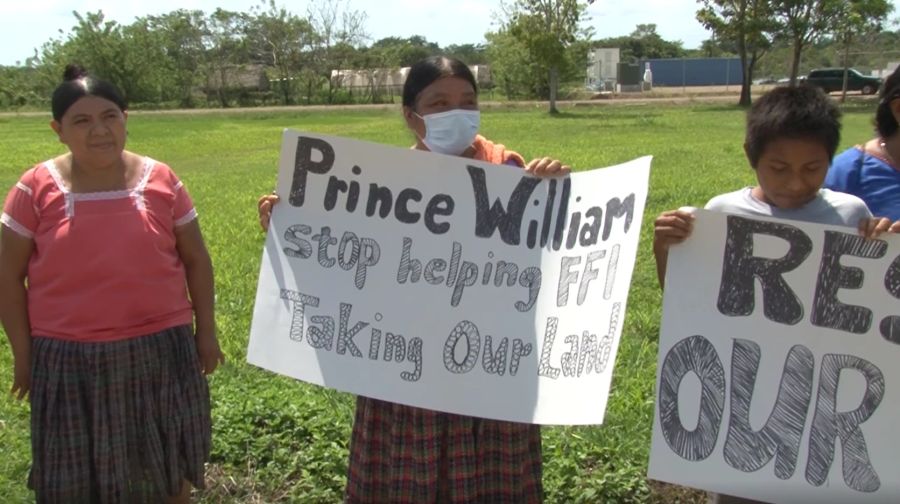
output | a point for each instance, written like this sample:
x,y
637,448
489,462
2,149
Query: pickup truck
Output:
x,y
832,79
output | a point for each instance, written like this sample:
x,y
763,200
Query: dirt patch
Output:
x,y
665,493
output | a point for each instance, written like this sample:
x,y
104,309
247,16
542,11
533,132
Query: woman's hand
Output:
x,y
264,207
547,167
876,226
208,350
21,378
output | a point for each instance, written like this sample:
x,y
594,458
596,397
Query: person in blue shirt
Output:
x,y
872,171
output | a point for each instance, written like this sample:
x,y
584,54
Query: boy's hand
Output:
x,y
669,228
264,207
208,351
547,167
876,226
21,379
672,227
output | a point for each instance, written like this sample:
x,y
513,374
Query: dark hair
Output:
x,y
792,112
426,71
885,122
77,84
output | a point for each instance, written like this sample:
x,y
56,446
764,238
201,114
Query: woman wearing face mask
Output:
x,y
405,454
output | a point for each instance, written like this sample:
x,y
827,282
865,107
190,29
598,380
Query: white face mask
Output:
x,y
451,132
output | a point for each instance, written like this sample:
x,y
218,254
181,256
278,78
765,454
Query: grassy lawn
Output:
x,y
277,440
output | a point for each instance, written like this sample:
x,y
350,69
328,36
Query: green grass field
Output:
x,y
277,440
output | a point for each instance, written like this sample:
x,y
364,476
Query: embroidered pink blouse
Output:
x,y
104,266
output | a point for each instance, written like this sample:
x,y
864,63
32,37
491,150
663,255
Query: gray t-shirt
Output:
x,y
829,207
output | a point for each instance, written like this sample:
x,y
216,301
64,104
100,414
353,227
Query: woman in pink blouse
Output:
x,y
106,296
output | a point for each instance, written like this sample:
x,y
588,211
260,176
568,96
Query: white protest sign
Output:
x,y
779,367
447,283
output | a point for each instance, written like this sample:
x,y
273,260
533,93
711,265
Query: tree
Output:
x,y
339,31
471,54
715,48
512,68
128,56
749,24
15,88
545,30
643,43
182,33
855,19
143,62
281,38
226,47
404,52
96,44
649,44
870,52
801,22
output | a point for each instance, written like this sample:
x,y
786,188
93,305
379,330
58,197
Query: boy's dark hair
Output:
x,y
77,84
885,122
426,71
792,112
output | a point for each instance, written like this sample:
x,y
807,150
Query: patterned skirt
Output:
x,y
401,454
124,421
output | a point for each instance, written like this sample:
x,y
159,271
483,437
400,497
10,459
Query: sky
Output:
x,y
27,24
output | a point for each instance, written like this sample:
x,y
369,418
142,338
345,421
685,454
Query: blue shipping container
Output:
x,y
695,71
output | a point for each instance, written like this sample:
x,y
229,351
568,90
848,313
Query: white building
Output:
x,y
393,78
602,69
887,70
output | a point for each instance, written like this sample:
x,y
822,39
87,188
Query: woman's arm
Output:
x,y
15,252
201,286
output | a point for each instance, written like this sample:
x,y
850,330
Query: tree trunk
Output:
x,y
751,69
186,95
223,99
285,92
795,60
846,72
745,98
746,82
554,86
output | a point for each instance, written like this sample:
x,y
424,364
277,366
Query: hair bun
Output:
x,y
74,72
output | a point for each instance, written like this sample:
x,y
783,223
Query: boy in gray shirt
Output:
x,y
792,134
827,207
